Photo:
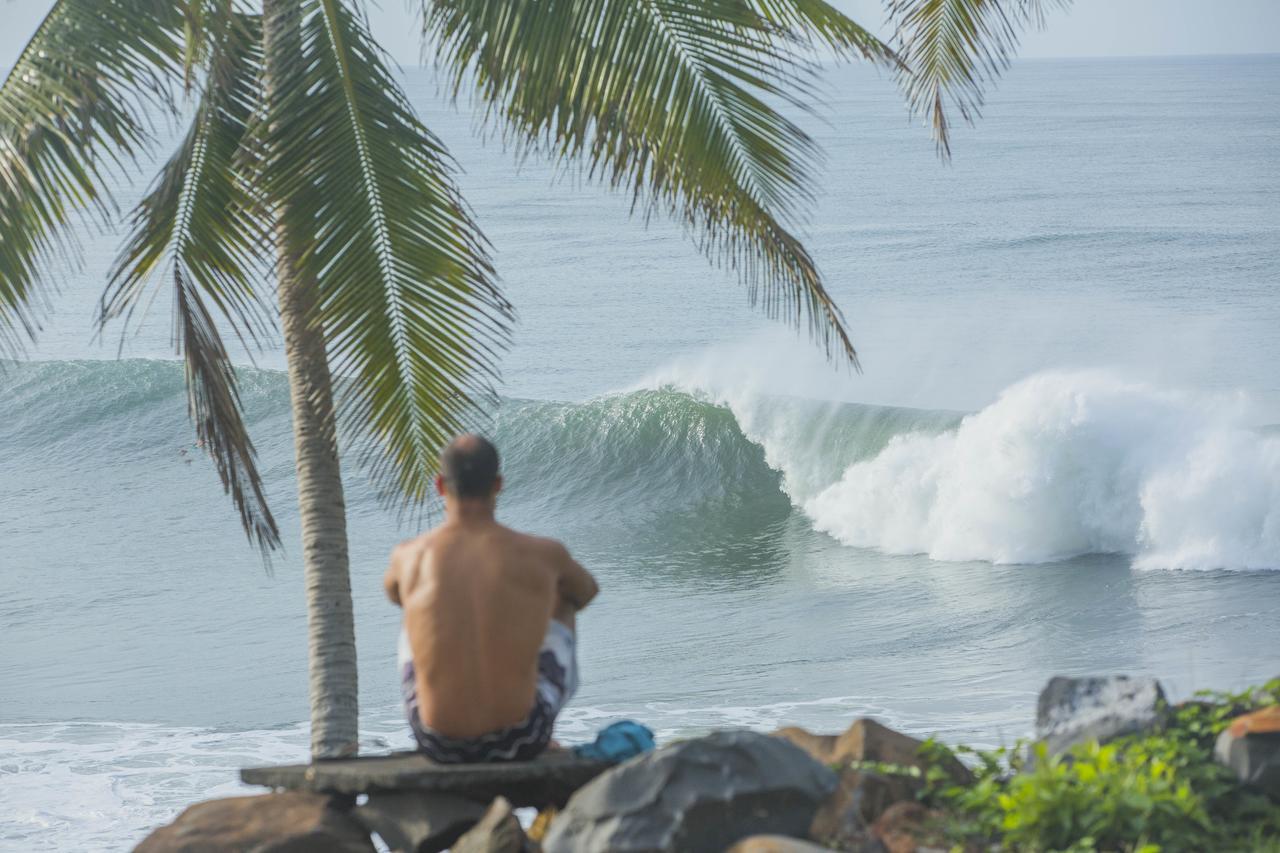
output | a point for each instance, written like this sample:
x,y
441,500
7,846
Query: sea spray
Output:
x,y
1071,463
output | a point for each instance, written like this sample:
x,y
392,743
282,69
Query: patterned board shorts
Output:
x,y
557,682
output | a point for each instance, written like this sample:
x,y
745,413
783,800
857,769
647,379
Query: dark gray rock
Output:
x,y
499,831
1075,710
703,794
418,821
1250,747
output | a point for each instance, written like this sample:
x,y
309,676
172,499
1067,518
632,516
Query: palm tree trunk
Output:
x,y
331,638
330,625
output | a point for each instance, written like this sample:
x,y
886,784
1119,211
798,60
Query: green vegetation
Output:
x,y
1155,793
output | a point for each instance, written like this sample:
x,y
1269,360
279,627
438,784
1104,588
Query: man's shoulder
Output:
x,y
542,545
411,549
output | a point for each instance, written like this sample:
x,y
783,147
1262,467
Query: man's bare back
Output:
x,y
477,597
487,668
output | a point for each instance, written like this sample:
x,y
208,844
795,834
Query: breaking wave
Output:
x,y
1061,464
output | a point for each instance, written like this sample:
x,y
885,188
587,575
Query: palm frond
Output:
x,y
954,49
820,23
677,102
199,231
407,298
75,105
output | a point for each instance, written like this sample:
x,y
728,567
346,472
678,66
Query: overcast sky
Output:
x,y
1089,28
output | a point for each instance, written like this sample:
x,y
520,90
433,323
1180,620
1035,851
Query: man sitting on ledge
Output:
x,y
487,656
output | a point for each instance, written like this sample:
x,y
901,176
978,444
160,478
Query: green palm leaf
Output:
x,y
822,24
407,297
200,230
677,102
74,107
953,49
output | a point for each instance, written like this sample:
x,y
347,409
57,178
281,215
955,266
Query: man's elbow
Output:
x,y
579,596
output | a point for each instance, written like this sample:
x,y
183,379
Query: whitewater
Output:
x,y
1062,458
1062,464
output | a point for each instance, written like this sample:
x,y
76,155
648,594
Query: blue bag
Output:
x,y
617,743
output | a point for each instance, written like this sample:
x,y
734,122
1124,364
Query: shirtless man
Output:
x,y
487,649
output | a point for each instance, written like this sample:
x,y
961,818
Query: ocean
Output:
x,y
1062,458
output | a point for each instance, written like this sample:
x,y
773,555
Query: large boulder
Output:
x,y
702,794
418,821
1250,747
293,822
1075,710
864,793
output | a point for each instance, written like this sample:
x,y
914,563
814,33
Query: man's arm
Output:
x,y
391,583
576,586
391,580
404,567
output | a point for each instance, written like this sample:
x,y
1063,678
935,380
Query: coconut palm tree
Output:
x,y
303,164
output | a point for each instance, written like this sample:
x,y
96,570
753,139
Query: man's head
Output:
x,y
469,469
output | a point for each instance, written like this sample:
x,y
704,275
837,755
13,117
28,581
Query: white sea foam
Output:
x,y
101,786
1072,463
1063,463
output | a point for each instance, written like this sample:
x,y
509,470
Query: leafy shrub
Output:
x,y
1111,797
1155,793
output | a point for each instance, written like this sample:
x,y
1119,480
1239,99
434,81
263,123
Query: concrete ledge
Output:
x,y
549,780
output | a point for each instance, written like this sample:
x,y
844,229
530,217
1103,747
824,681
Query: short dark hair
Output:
x,y
469,466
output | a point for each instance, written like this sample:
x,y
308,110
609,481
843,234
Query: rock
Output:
x,y
864,794
775,844
1250,746
905,828
1076,710
846,816
867,740
418,821
498,831
293,822
702,794
821,747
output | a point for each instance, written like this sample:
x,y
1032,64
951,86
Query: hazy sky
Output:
x,y
1090,28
